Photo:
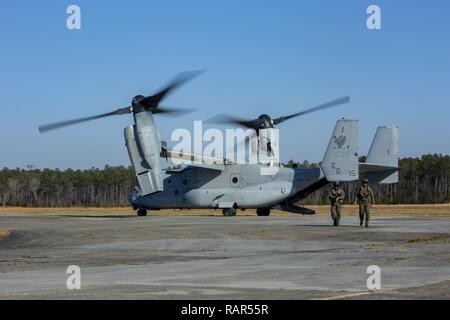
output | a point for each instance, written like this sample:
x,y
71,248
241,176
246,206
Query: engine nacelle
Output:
x,y
144,147
268,149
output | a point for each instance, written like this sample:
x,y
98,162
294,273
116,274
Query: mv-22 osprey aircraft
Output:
x,y
228,185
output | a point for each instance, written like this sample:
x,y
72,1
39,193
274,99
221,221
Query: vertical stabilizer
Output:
x,y
384,149
381,165
341,158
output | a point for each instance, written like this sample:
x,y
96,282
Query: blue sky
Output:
x,y
275,57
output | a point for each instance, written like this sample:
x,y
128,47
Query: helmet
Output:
x,y
336,184
365,181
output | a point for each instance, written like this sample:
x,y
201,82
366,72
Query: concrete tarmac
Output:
x,y
295,257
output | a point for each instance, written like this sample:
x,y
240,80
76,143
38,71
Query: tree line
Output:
x,y
108,187
422,180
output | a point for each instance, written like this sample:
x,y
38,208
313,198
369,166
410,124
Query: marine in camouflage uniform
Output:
x,y
365,199
337,196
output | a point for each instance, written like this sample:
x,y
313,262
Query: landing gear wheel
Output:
x,y
263,212
229,212
142,212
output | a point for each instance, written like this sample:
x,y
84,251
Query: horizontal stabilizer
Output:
x,y
378,174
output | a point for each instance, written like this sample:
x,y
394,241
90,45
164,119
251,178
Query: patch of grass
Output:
x,y
442,210
3,233
438,210
428,240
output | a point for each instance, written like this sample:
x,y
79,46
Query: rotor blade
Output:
x,y
175,112
154,100
227,119
330,104
57,125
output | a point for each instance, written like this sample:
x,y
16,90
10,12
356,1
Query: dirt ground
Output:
x,y
440,210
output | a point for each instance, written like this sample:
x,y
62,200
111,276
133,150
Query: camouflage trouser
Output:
x,y
364,212
336,209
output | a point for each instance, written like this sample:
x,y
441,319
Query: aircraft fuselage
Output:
x,y
239,185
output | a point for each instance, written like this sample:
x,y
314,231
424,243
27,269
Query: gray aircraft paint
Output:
x,y
195,187
341,158
144,147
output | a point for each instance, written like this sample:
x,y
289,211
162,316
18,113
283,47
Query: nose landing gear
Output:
x,y
229,212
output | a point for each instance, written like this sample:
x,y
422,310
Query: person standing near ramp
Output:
x,y
337,196
365,199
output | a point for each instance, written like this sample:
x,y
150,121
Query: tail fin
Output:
x,y
341,158
381,165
